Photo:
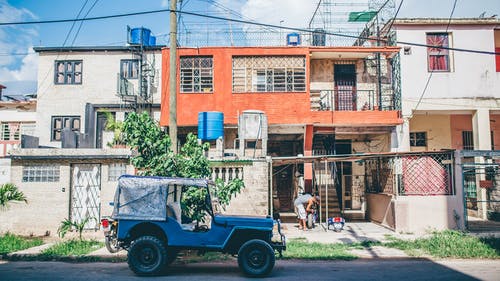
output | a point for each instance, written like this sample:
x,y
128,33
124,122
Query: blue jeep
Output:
x,y
148,222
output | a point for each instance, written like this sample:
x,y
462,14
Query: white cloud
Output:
x,y
164,3
14,40
293,13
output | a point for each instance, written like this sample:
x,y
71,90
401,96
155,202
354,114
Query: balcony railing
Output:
x,y
348,98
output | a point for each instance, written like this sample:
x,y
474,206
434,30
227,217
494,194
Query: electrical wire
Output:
x,y
250,23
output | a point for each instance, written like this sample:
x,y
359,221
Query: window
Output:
x,y
196,74
269,74
116,170
41,173
13,131
418,139
467,140
438,59
129,69
68,72
61,122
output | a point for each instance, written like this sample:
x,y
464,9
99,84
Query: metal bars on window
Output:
x,y
196,74
61,122
269,74
68,72
41,173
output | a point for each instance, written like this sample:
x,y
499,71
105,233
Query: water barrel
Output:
x,y
210,125
152,40
138,33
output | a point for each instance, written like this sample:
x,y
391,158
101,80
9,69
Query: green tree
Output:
x,y
10,193
154,157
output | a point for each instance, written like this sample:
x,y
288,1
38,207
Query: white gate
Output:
x,y
85,194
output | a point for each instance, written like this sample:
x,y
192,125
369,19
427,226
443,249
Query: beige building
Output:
x,y
451,98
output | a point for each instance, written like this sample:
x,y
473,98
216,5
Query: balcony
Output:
x,y
348,98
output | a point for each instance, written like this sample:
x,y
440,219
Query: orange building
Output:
x,y
316,100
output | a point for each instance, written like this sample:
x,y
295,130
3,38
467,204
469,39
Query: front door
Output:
x,y
284,187
345,87
85,194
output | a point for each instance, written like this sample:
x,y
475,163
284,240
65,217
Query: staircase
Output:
x,y
324,180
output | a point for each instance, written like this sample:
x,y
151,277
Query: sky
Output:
x,y
18,62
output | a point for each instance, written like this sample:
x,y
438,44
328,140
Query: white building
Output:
x,y
77,84
451,97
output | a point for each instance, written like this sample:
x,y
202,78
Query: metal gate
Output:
x,y
85,194
481,189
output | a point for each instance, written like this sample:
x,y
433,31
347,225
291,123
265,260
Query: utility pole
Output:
x,y
172,80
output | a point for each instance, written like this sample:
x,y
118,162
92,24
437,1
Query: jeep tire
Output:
x,y
147,256
256,258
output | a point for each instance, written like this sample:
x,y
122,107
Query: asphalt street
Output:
x,y
290,270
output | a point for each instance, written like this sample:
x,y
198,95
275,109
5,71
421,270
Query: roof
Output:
x,y
95,48
444,21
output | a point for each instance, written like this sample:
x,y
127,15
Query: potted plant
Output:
x,y
116,127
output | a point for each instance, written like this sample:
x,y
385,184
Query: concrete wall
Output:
x,y
99,86
49,202
417,214
4,170
254,198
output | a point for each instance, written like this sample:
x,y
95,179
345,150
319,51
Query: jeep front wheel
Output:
x,y
256,258
147,256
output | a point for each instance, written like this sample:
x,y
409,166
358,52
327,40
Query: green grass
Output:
x,y
71,248
301,249
449,244
11,243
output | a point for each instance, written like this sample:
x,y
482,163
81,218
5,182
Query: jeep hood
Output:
x,y
244,221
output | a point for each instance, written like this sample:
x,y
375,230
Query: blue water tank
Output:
x,y
140,35
210,125
152,40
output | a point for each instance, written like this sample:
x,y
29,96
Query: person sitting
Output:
x,y
300,201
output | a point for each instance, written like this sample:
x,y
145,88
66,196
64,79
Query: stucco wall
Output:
x,y
437,128
418,214
471,75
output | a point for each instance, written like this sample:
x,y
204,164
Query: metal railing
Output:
x,y
344,99
420,174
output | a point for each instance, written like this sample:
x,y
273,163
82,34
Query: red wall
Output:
x,y
280,108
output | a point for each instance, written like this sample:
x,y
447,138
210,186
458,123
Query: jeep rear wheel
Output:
x,y
256,258
147,256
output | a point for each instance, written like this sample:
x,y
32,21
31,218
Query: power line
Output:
x,y
251,23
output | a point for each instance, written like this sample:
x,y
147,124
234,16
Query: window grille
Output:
x,y
196,74
68,72
61,122
129,69
418,139
13,131
116,170
269,74
467,140
41,173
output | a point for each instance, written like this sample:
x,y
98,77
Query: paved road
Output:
x,y
363,269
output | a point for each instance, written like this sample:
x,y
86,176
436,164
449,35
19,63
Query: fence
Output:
x,y
425,174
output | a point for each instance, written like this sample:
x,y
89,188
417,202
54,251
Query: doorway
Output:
x,y
85,194
345,87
